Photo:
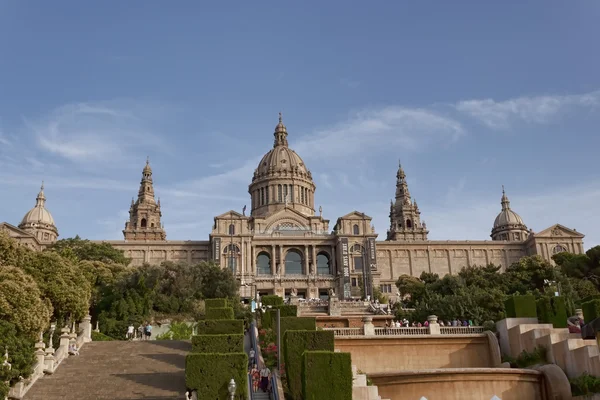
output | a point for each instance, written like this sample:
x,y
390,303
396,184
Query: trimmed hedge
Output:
x,y
210,373
588,299
298,324
591,310
215,303
552,310
521,307
219,313
326,375
218,343
220,327
271,300
269,317
294,345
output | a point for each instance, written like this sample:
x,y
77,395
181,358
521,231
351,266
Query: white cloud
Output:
x,y
380,129
536,109
98,132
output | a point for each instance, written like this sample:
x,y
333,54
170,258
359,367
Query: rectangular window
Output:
x,y
386,288
354,282
268,190
279,195
358,263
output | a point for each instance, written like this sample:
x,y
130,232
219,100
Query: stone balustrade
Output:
x,y
47,359
433,329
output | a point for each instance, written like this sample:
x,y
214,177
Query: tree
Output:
x,y
21,302
216,282
410,288
581,266
20,354
85,250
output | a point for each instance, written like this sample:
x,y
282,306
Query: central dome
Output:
x,y
38,221
281,179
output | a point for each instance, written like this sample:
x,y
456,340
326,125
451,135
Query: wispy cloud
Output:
x,y
352,84
98,132
536,109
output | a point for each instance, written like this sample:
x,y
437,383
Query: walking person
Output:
x,y
148,331
130,331
251,357
265,372
255,374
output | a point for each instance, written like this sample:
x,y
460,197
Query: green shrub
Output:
x,y
585,384
489,326
298,324
100,337
527,359
215,303
219,313
210,373
591,310
520,307
218,343
326,375
552,310
588,298
220,327
294,345
271,300
177,331
20,353
269,317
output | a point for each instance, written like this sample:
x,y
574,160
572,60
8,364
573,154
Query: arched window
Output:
x,y
262,196
152,225
293,263
232,229
279,194
558,249
323,267
263,264
143,223
231,254
409,223
355,230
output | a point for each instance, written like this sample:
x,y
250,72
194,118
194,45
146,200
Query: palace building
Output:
x,y
284,244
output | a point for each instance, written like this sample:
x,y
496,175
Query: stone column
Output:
x,y
281,261
40,357
273,266
306,271
86,325
332,261
314,259
64,340
368,327
434,327
253,260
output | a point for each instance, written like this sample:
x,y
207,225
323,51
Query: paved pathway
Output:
x,y
118,370
260,395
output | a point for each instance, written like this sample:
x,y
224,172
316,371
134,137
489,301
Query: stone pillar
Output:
x,y
332,261
368,327
254,260
334,307
434,327
281,261
86,325
65,338
273,266
314,259
40,357
306,271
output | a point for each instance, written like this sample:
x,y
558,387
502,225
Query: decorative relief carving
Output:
x,y
556,232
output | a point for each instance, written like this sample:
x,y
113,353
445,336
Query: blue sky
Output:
x,y
469,95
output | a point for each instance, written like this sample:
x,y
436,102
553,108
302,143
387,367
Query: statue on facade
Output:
x,y
294,292
244,211
331,293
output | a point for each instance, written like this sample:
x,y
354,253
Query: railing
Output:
x,y
275,388
346,331
461,330
406,331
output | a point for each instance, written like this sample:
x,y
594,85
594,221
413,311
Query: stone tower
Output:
x,y
508,224
405,217
144,214
39,222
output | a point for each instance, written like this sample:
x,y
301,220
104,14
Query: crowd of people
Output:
x,y
404,323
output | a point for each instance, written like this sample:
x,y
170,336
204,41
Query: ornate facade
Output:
x,y
284,245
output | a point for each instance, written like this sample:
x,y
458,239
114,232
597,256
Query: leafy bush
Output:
x,y
271,300
489,326
100,337
295,343
552,310
220,327
177,331
210,373
591,310
326,375
218,343
584,385
215,303
297,324
521,307
527,359
268,318
219,313
20,353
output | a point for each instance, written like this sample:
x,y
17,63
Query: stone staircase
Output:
x,y
118,370
360,390
260,395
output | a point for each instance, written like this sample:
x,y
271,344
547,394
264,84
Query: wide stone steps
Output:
x,y
118,370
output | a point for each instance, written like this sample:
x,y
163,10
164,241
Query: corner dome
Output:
x,y
39,221
508,225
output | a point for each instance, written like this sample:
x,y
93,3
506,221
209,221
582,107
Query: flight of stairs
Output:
x,y
360,390
118,370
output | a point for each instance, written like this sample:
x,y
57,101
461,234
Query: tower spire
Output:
x,y
40,200
405,217
504,201
280,133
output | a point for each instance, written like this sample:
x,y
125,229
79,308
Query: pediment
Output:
x,y
13,231
231,215
558,230
356,215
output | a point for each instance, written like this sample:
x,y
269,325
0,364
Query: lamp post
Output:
x,y
231,387
50,348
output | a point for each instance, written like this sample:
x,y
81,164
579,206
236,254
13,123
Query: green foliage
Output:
x,y
552,310
210,373
220,327
294,345
20,353
218,343
585,384
219,313
489,326
297,324
521,307
21,302
527,359
78,249
268,318
271,300
215,303
585,267
591,310
100,337
326,375
177,331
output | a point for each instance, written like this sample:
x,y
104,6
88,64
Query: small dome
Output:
x,y
507,218
147,169
38,215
